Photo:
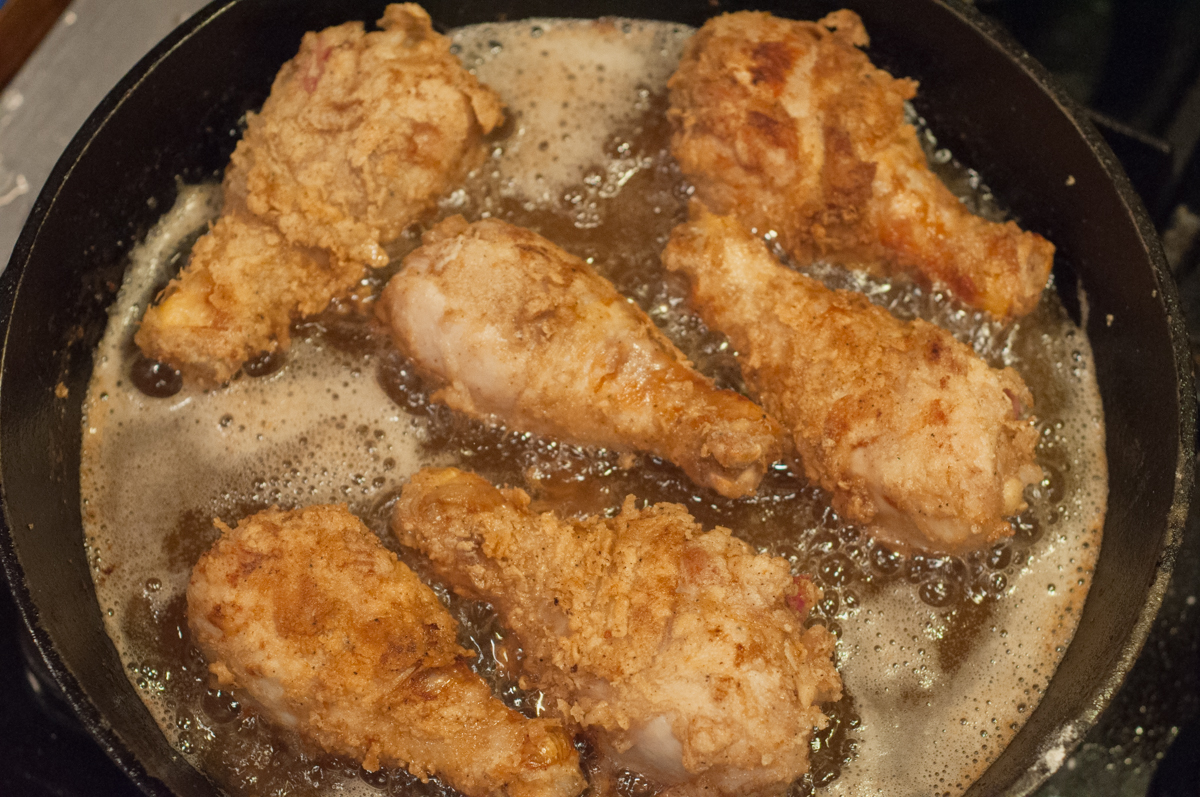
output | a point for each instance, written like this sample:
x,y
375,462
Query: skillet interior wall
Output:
x,y
178,122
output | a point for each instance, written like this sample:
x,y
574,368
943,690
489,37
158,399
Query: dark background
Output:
x,y
1136,65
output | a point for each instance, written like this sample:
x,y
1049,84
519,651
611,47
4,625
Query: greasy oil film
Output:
x,y
943,657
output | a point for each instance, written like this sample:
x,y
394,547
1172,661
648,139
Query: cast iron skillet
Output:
x,y
174,115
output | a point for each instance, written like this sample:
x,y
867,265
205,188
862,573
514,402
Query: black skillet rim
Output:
x,y
11,280
1187,398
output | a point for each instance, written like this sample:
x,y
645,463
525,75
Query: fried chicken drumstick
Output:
x,y
788,126
910,431
360,135
517,330
330,635
682,652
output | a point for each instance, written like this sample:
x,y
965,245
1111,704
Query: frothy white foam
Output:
x,y
571,94
934,708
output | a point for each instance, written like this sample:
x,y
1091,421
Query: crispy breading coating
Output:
x,y
681,652
362,132
238,296
517,330
330,635
788,126
360,135
910,431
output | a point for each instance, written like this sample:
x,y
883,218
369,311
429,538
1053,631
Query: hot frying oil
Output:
x,y
943,657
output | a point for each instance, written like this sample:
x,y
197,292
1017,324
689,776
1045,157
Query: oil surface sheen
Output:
x,y
943,657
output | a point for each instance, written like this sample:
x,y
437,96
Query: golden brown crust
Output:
x,y
310,616
237,298
680,651
788,126
362,132
908,429
360,135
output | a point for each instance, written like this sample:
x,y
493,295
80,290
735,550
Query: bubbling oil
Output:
x,y
943,657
